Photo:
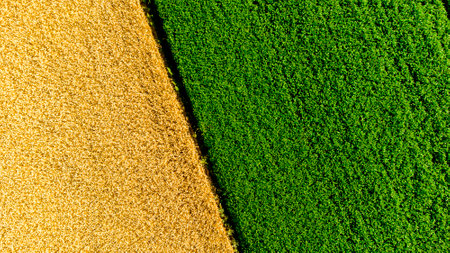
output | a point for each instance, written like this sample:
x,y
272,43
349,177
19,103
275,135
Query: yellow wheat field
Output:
x,y
95,152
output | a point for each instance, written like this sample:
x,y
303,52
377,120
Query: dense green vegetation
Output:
x,y
326,122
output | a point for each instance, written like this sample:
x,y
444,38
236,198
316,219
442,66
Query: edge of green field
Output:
x,y
155,23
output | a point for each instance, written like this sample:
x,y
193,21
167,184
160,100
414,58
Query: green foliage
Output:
x,y
326,122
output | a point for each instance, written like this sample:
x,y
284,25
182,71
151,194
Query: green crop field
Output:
x,y
326,122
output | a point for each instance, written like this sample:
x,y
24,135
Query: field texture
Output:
x,y
95,152
326,122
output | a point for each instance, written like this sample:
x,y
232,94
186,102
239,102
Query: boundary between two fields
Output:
x,y
156,23
447,7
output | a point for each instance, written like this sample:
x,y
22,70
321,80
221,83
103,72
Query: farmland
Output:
x,y
326,122
95,152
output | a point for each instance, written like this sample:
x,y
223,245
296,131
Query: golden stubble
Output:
x,y
96,154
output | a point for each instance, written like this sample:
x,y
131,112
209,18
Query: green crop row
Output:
x,y
326,122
